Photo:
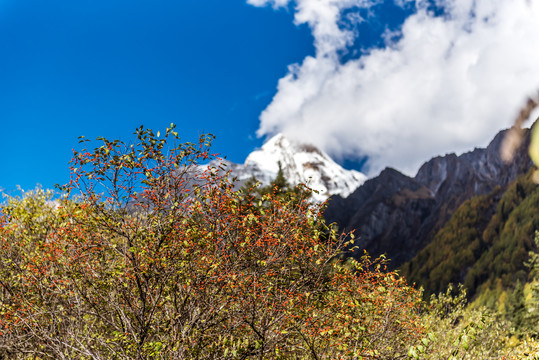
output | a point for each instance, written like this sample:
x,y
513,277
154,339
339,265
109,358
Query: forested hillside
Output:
x,y
454,249
488,238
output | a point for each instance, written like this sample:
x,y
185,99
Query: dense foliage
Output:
x,y
151,257
510,236
457,246
484,245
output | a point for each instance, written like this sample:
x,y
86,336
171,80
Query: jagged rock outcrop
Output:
x,y
398,215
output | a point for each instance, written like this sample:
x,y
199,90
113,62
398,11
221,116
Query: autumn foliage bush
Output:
x,y
147,256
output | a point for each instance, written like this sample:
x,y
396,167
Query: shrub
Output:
x,y
150,257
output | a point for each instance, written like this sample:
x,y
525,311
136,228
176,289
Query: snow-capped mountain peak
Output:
x,y
301,163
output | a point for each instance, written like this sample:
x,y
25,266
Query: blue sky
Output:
x,y
393,81
102,68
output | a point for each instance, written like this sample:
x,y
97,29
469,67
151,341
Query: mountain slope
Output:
x,y
455,248
486,240
399,215
383,211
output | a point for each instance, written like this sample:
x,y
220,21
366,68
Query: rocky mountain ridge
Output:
x,y
399,215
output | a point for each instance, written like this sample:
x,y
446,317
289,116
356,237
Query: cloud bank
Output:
x,y
445,84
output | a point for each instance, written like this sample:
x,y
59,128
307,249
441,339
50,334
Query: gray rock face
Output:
x,y
398,215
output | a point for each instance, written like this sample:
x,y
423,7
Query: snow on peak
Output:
x,y
301,163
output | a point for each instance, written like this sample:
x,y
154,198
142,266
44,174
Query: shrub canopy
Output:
x,y
151,257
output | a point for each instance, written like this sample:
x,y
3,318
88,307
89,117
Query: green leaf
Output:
x,y
412,353
465,342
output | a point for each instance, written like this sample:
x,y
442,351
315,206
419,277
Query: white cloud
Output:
x,y
448,84
323,17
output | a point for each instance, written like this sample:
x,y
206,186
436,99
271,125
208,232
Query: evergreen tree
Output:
x,y
279,184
